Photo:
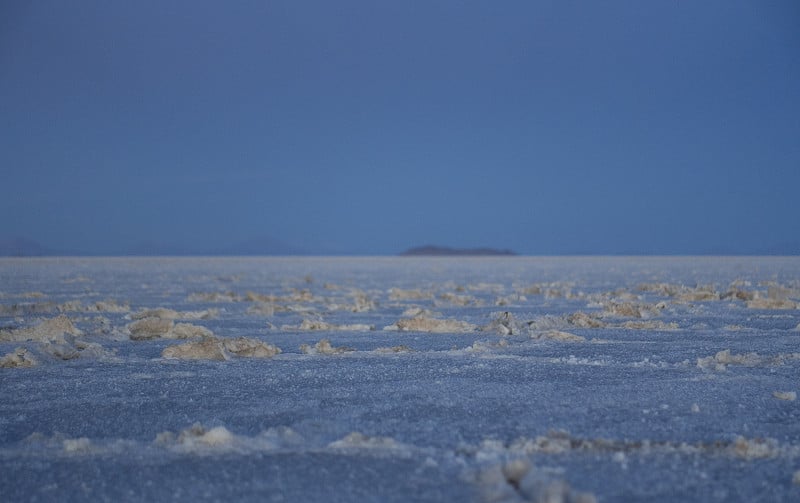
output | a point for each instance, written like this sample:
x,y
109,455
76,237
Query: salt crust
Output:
x,y
220,349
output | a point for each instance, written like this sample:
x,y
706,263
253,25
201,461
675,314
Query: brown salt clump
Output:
x,y
53,330
323,347
214,297
206,349
584,320
757,448
722,359
699,294
362,302
434,325
789,396
18,358
459,300
187,331
311,325
631,310
150,328
503,324
357,440
663,289
398,294
250,348
199,438
316,325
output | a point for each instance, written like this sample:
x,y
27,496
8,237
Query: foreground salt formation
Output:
x,y
221,349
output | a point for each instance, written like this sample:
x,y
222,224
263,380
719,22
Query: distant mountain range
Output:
x,y
431,250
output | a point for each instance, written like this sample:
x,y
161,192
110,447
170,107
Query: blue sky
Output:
x,y
370,127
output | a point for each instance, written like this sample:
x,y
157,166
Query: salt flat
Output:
x,y
400,379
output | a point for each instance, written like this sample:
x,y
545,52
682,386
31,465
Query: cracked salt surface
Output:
x,y
400,379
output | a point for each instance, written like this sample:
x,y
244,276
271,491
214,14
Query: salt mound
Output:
x,y
80,445
420,312
311,325
214,297
197,437
100,306
758,448
518,480
52,330
358,440
433,325
503,324
206,349
153,328
323,347
796,478
394,349
699,294
20,357
583,320
631,310
790,396
557,335
250,348
28,308
188,331
171,314
722,359
398,294
459,300
150,328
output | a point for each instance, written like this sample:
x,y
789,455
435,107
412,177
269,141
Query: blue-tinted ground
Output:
x,y
628,413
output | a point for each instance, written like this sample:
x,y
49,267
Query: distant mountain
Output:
x,y
431,250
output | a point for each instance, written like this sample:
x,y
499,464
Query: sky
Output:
x,y
368,127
